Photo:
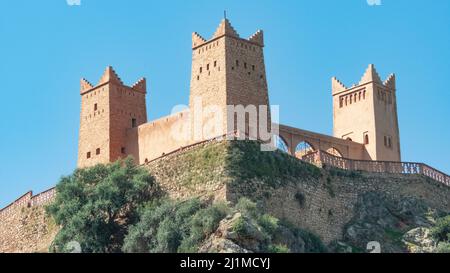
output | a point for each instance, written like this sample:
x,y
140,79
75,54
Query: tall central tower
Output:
x,y
228,70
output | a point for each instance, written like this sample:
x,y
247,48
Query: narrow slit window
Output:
x,y
133,123
97,151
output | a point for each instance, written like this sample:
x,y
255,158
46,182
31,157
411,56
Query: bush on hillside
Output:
x,y
94,206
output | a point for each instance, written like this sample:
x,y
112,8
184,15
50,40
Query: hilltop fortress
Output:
x,y
228,70
229,98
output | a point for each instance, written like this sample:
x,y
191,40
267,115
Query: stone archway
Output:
x,y
303,148
334,151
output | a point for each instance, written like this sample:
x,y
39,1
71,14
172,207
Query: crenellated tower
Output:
x,y
107,111
367,113
229,70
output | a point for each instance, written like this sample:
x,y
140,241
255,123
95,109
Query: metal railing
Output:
x,y
321,158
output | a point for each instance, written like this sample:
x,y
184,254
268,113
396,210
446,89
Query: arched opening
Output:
x,y
349,139
366,139
303,148
280,144
334,152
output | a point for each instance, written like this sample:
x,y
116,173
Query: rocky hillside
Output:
x,y
346,210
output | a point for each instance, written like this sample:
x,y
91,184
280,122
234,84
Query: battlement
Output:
x,y
110,76
28,200
226,29
370,76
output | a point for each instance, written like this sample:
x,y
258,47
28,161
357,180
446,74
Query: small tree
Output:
x,y
94,206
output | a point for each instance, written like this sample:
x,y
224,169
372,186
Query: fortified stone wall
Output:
x,y
326,205
159,137
322,205
24,225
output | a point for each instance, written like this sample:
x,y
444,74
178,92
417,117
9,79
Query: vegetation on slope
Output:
x,y
441,233
119,207
95,206
246,161
167,226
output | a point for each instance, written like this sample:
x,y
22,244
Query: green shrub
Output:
x,y
247,207
268,223
441,230
96,205
240,227
443,247
278,249
174,226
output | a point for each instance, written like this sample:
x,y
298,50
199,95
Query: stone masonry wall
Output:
x,y
26,229
329,202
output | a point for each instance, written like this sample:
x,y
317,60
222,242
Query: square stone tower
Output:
x,y
107,111
367,113
228,70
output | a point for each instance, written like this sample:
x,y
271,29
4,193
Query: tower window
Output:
x,y
201,68
245,65
97,151
387,141
215,63
253,67
88,155
122,150
207,67
237,63
95,107
133,123
366,138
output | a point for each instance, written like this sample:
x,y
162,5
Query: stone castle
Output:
x,y
229,70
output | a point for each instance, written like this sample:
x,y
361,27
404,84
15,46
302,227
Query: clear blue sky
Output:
x,y
47,46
